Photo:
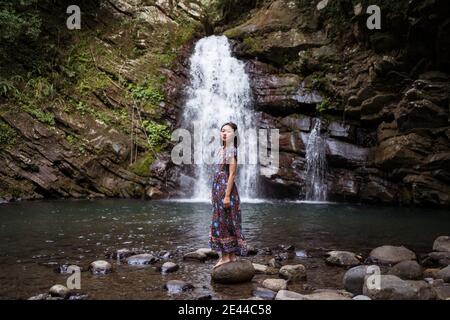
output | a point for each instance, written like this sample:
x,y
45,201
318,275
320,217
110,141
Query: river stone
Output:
x,y
407,270
142,259
438,258
41,296
293,273
444,274
233,272
59,290
391,255
177,286
342,258
195,255
169,267
275,284
289,295
327,294
424,291
100,267
209,253
361,297
263,269
391,288
354,279
264,293
442,243
442,291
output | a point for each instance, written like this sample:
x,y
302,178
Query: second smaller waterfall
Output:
x,y
315,177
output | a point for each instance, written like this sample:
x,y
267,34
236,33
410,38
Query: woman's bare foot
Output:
x,y
224,259
220,262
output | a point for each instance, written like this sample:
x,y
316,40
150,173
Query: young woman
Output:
x,y
225,234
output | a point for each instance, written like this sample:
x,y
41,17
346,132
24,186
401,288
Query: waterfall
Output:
x,y
316,187
219,92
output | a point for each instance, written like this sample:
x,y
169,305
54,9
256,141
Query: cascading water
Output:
x,y
219,92
316,187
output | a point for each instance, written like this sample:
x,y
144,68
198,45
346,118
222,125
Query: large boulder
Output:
x,y
391,255
354,279
407,270
233,272
391,288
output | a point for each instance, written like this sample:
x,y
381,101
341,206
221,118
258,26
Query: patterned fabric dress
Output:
x,y
225,233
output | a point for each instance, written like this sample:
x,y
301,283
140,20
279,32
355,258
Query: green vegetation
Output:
x,y
323,106
147,93
7,135
142,166
39,114
19,20
158,134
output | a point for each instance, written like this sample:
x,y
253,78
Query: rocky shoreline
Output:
x,y
387,273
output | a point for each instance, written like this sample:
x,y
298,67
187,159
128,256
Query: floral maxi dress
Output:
x,y
225,234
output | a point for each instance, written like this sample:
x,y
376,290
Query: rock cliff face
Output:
x,y
383,97
96,125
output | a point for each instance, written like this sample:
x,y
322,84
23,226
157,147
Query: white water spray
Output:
x,y
219,92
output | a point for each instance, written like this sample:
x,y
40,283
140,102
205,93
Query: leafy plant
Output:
x,y
323,106
158,134
7,135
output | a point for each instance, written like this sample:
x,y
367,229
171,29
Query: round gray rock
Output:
x,y
442,243
59,290
289,295
177,286
142,259
100,267
169,267
444,274
407,270
233,272
342,258
354,279
390,288
275,284
293,273
391,255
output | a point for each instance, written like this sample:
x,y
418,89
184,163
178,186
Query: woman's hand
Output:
x,y
226,202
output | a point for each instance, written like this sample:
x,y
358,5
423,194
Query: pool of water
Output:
x,y
40,235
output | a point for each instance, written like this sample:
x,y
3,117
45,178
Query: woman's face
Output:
x,y
227,134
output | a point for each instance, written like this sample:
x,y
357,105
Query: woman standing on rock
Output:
x,y
225,233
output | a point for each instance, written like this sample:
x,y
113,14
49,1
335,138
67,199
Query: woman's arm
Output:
x,y
230,183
